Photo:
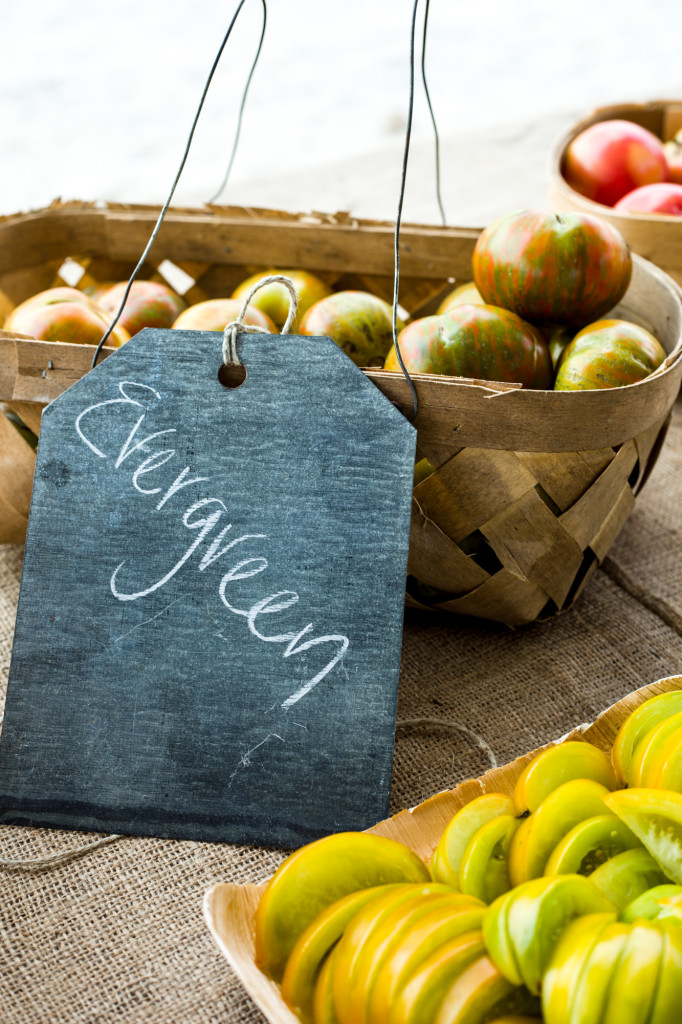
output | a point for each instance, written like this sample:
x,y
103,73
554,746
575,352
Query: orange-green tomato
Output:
x,y
273,299
464,294
608,354
360,323
479,342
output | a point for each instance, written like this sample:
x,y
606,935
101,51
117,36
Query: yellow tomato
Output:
x,y
589,844
557,765
457,835
637,724
483,869
655,816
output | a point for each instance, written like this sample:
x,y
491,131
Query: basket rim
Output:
x,y
557,150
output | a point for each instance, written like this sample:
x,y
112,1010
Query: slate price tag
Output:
x,y
209,625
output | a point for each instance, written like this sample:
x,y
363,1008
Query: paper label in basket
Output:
x,y
209,625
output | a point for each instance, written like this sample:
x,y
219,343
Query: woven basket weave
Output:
x,y
530,488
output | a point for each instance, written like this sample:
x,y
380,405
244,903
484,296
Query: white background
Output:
x,y
97,98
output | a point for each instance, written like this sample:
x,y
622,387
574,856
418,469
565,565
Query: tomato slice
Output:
x,y
665,768
359,932
435,930
323,1000
646,760
536,915
565,807
481,993
666,1008
456,836
655,816
420,999
313,945
634,982
664,901
589,844
483,869
498,942
591,994
552,767
566,964
626,876
319,874
637,724
381,942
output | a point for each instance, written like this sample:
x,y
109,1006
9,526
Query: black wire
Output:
x,y
241,109
403,177
154,233
439,198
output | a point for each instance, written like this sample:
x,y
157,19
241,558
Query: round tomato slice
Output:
x,y
461,829
313,945
589,844
537,914
634,982
323,1000
556,765
379,945
590,996
646,760
666,1009
637,725
483,869
319,874
481,993
655,816
663,901
422,996
437,928
498,942
565,807
566,964
360,931
626,876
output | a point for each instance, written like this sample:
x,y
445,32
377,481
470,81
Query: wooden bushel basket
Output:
x,y
656,237
530,488
229,909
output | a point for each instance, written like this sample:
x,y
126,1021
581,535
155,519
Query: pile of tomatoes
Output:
x,y
561,901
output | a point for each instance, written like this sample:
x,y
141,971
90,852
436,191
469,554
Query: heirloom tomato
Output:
x,y
655,816
273,299
561,269
466,294
590,844
613,157
655,757
447,857
483,342
360,323
556,765
663,901
608,354
483,868
422,996
626,876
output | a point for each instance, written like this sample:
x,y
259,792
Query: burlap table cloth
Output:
x,y
118,935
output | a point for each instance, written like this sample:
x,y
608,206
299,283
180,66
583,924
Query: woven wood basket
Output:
x,y
657,238
229,909
530,487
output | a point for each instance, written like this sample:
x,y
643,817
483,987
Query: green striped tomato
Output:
x,y
482,342
608,354
549,268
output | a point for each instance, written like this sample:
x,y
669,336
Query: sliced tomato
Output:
x,y
667,1001
420,999
481,993
649,757
637,725
323,999
556,765
634,982
566,965
663,901
626,876
589,844
461,829
483,869
655,816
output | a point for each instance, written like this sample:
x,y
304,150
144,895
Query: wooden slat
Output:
x,y
436,560
584,519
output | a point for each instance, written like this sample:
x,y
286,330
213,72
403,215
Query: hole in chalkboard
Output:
x,y
232,376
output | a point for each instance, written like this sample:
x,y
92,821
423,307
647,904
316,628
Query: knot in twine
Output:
x,y
237,327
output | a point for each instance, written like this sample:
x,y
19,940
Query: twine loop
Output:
x,y
237,327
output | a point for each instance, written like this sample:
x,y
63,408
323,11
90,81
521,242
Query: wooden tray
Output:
x,y
229,909
657,238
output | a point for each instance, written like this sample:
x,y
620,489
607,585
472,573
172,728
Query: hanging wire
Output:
x,y
241,110
439,198
154,233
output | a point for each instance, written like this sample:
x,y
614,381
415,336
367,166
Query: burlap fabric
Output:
x,y
118,935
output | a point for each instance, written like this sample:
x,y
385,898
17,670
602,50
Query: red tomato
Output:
x,y
482,342
611,158
662,198
566,269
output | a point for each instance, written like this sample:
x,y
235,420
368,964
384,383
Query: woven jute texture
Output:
x,y
118,935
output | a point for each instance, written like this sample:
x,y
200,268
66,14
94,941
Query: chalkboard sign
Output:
x,y
209,625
